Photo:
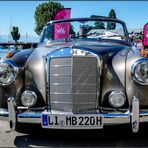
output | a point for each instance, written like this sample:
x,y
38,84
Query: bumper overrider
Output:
x,y
133,116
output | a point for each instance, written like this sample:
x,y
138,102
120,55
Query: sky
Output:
x,y
21,13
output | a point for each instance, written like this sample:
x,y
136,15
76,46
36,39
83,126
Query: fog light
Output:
x,y
117,99
28,98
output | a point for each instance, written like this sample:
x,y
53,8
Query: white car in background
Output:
x,y
104,34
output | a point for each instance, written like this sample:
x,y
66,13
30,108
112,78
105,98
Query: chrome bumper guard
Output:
x,y
134,116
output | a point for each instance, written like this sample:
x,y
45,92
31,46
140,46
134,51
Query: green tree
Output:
x,y
97,24
44,13
72,32
111,25
15,33
90,28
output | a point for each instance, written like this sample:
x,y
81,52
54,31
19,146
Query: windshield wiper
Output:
x,y
69,39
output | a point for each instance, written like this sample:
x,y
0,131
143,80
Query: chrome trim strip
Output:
x,y
29,117
46,61
99,70
116,119
67,75
143,116
135,114
71,70
70,85
35,117
12,113
73,103
55,66
4,114
56,93
109,119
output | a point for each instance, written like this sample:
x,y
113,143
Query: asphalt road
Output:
x,y
34,136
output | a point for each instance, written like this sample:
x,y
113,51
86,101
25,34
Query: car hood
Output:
x,y
93,46
99,47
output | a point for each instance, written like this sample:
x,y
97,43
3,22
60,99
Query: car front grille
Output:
x,y
74,84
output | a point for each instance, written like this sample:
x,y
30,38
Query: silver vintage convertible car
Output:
x,y
84,74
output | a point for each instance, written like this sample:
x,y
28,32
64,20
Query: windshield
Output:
x,y
83,29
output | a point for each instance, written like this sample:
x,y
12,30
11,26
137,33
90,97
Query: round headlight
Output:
x,y
140,71
117,99
28,98
8,73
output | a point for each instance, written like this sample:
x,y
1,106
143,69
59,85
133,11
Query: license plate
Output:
x,y
72,121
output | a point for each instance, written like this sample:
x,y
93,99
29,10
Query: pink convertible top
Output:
x,y
145,35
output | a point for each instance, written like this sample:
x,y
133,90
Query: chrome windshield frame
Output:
x,y
105,19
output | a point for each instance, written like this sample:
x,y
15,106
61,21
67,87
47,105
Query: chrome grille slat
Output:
x,y
73,84
68,84
70,102
57,93
55,66
55,75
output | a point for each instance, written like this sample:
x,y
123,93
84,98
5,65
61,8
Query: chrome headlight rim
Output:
x,y
15,68
117,92
134,66
27,92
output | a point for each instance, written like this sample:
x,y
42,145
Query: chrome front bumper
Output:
x,y
133,116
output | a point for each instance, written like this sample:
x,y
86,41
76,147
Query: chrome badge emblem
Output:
x,y
78,52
